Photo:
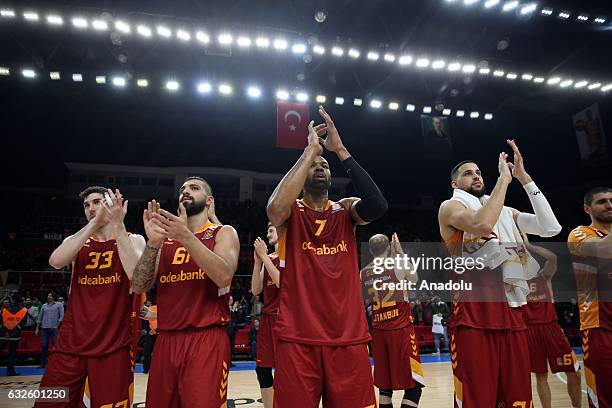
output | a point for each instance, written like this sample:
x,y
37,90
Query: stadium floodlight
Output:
x,y
337,51
354,53
119,81
529,8
298,48
55,20
225,38
582,17
375,103
77,77
446,112
225,89
388,57
173,85
470,2
460,113
80,22
405,60
599,20
538,80
469,68
606,88
122,26
488,116
31,16
474,115
8,13
564,15
484,71
318,49
54,75
581,84
254,92
164,31
498,73
202,37
100,79
357,102
183,35
320,98
301,96
566,83
454,66
438,64
373,56
410,107
99,25
262,42
28,73
339,100
282,94
546,12
142,83
204,87
280,44
393,105
510,5
594,86
144,30
422,63
491,3
527,77
553,80
511,76
426,109
243,42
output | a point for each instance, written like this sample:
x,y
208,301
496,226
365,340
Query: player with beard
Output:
x,y
94,341
266,279
591,249
321,327
489,350
192,262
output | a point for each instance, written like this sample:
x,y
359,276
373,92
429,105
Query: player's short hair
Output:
x,y
92,189
207,187
455,170
378,244
588,196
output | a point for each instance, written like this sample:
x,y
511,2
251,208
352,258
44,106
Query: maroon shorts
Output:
x,y
106,380
189,369
391,350
597,349
547,342
490,366
266,340
341,375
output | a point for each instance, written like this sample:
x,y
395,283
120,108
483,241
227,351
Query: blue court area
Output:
x,y
242,365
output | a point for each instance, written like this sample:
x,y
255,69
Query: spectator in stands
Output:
x,y
12,320
32,316
231,330
49,319
253,337
417,311
440,315
60,299
149,314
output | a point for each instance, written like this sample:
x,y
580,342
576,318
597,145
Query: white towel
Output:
x,y
503,247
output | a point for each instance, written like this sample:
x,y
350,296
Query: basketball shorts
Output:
x,y
189,369
490,367
392,349
340,375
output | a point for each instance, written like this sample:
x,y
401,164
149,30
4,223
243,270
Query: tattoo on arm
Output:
x,y
144,272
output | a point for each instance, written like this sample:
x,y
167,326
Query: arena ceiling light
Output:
x,y
300,46
173,85
282,94
301,96
254,92
142,83
375,103
510,5
320,99
7,13
55,75
31,16
28,73
225,89
339,100
357,102
204,87
491,3
77,77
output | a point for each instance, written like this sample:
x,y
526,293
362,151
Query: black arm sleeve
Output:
x,y
373,204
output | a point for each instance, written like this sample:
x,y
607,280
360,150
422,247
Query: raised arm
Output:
x,y
146,267
129,246
262,252
481,222
70,247
220,263
371,203
408,273
290,187
257,278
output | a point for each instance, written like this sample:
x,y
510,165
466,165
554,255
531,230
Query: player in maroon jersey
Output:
x,y
94,342
397,365
489,350
544,335
266,279
192,261
321,327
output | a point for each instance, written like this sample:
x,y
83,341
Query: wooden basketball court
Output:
x,y
244,391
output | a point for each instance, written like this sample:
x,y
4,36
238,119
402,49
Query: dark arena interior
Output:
x,y
138,96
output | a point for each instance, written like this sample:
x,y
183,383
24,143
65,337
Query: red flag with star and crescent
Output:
x,y
292,125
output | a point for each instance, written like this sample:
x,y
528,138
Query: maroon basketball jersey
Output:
x,y
540,308
390,310
187,298
485,306
270,290
97,321
320,300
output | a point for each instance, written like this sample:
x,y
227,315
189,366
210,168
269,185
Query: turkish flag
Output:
x,y
292,125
